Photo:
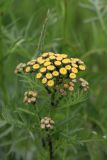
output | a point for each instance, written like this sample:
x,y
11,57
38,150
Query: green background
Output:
x,y
75,27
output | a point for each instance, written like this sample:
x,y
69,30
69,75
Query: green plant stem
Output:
x,y
52,94
37,114
65,18
99,15
67,116
50,144
39,119
49,139
41,39
2,75
53,103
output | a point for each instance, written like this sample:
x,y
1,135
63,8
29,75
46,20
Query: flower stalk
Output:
x,y
50,144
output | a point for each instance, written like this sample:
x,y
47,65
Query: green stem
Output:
x,y
50,144
53,103
100,19
2,75
65,18
41,39
39,119
67,116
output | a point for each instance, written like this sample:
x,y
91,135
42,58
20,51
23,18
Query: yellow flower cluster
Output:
x,y
51,68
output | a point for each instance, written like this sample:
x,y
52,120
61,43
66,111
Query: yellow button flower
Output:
x,y
76,59
73,61
52,57
50,83
65,61
72,75
43,69
36,66
51,53
50,67
49,76
45,54
68,67
57,54
44,80
64,55
74,70
63,71
55,73
82,67
40,60
27,69
47,59
57,63
47,64
38,75
74,65
59,58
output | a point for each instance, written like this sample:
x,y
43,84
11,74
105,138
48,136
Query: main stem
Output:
x,y
49,139
50,144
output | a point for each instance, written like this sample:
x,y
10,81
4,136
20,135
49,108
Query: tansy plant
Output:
x,y
60,76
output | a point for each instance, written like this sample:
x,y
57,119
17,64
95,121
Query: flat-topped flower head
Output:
x,y
44,80
28,69
53,69
63,71
57,63
68,67
38,75
50,67
55,73
36,66
49,76
72,75
50,83
43,70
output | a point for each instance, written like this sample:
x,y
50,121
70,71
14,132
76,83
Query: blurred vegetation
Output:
x,y
76,27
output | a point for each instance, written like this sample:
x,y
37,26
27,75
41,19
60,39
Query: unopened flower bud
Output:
x,y
20,67
84,84
62,92
30,97
47,123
